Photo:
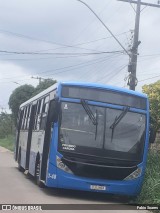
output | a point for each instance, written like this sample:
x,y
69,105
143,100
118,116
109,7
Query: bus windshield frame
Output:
x,y
102,113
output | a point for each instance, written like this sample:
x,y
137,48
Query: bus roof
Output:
x,y
105,86
84,84
43,93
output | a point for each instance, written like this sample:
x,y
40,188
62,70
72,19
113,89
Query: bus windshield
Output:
x,y
124,142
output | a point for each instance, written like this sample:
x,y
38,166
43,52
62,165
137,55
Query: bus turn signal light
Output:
x,y
134,175
62,166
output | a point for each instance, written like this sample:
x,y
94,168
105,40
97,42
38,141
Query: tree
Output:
x,y
25,92
18,96
153,92
44,85
6,124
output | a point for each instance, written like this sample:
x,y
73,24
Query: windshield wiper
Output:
x,y
118,119
90,114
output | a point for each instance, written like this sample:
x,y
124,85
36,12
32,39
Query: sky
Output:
x,y
63,40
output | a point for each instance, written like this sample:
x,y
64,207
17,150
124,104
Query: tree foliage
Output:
x,y
18,96
25,92
44,85
153,92
6,124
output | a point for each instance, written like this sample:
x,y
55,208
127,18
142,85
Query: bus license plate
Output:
x,y
97,187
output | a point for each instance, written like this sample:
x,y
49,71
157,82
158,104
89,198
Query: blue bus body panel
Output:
x,y
58,178
70,181
61,179
51,174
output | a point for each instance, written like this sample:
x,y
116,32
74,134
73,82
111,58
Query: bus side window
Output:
x,y
53,111
28,117
35,117
23,119
19,120
37,120
39,115
44,113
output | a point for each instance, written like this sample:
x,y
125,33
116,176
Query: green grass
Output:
x,y
150,193
8,142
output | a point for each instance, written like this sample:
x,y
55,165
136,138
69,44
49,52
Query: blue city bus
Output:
x,y
85,136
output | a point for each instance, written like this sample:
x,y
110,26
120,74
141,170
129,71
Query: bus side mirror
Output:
x,y
152,135
53,111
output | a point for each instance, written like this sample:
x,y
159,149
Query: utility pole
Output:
x,y
2,109
38,78
132,67
16,83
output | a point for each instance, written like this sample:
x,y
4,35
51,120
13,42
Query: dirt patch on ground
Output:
x,y
2,149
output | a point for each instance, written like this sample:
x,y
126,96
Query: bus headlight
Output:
x,y
62,166
134,175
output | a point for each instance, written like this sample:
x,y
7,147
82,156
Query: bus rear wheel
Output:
x,y
37,175
20,168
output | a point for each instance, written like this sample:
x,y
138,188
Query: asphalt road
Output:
x,y
17,188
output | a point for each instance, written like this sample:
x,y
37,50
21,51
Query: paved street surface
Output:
x,y
17,188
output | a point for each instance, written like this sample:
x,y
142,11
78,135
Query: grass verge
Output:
x,y
150,193
8,142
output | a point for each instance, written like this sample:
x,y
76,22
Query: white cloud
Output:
x,y
12,76
70,22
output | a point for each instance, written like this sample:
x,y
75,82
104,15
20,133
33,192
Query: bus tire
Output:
x,y
20,168
37,174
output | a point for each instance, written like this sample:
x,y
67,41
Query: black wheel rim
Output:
x,y
37,171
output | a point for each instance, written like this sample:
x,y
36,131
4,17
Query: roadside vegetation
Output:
x,y
151,188
7,130
8,142
8,121
150,193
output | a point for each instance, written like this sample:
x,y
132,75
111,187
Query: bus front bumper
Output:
x,y
69,181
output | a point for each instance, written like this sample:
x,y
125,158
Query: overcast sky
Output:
x,y
56,35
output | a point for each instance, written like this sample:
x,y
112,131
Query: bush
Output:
x,y
150,193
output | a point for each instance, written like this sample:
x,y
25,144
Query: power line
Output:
x,y
96,40
58,53
104,25
146,74
117,72
111,70
108,18
28,59
55,43
150,55
55,73
93,72
57,57
149,78
40,40
66,67
86,27
121,68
